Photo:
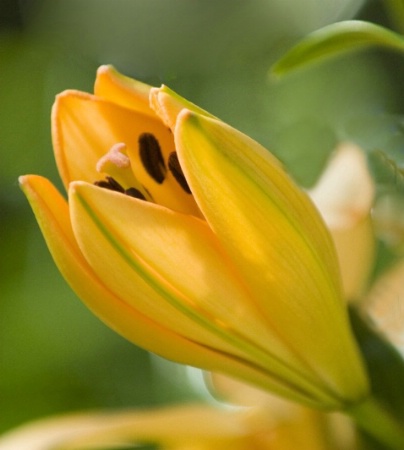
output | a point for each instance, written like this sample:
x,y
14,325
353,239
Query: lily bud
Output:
x,y
191,240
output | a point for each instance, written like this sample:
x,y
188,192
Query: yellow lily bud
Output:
x,y
189,239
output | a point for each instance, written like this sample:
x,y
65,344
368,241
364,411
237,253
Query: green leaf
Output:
x,y
388,175
386,370
338,38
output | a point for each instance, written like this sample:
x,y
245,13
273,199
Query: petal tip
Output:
x,y
161,103
64,94
28,181
76,186
23,179
23,183
105,68
186,114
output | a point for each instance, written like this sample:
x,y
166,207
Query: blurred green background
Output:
x,y
54,355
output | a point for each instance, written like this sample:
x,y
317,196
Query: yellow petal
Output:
x,y
52,213
167,104
121,90
109,242
169,267
85,128
278,242
173,427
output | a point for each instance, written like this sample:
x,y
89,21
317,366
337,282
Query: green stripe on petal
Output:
x,y
52,213
277,241
167,104
170,268
106,243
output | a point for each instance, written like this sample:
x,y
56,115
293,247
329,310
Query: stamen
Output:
x,y
152,157
111,184
121,178
133,192
176,170
115,157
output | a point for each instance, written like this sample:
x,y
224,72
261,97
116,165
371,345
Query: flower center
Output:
x,y
152,160
120,173
121,177
113,185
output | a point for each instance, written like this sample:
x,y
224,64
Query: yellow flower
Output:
x,y
195,427
188,238
188,427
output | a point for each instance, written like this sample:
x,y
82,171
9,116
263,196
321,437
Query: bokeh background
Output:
x,y
54,355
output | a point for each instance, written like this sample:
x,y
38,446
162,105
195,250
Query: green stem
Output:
x,y
371,417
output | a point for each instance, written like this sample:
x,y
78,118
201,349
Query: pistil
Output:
x,y
119,174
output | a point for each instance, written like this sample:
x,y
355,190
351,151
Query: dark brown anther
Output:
x,y
133,192
152,157
175,169
111,184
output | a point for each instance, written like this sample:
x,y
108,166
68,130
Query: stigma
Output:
x,y
120,177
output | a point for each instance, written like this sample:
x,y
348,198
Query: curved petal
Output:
x,y
275,236
121,90
107,243
169,267
167,104
52,213
85,128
